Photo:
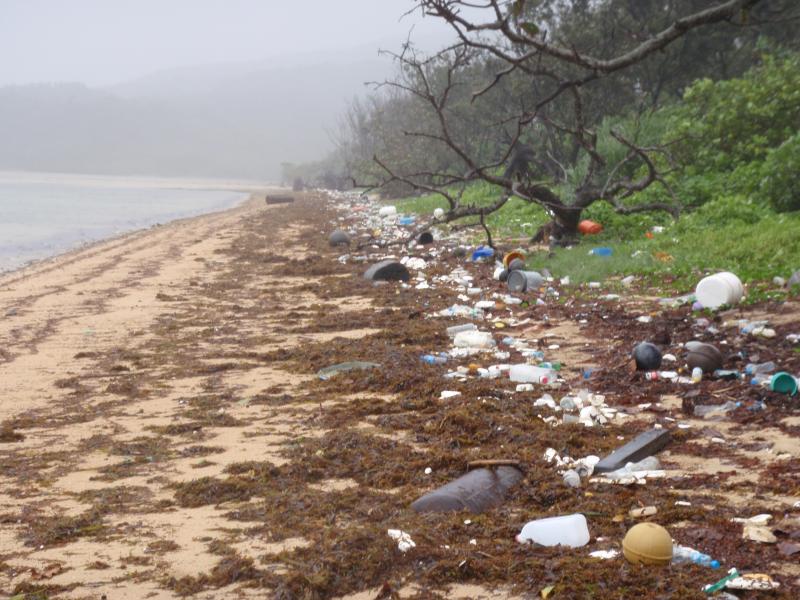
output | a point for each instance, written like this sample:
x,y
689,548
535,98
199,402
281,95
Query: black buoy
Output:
x,y
388,270
339,238
425,238
647,356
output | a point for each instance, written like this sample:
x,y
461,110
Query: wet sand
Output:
x,y
164,433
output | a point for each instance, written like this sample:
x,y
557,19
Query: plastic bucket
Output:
x,y
784,383
511,256
521,281
719,289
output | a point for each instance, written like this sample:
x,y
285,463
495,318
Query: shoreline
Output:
x,y
249,196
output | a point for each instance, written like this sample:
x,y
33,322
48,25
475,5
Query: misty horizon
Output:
x,y
191,89
100,43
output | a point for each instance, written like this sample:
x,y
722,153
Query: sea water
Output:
x,y
47,216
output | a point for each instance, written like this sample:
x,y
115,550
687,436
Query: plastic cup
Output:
x,y
784,383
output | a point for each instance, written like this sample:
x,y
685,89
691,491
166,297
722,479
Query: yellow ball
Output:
x,y
647,543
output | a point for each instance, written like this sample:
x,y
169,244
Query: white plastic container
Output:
x,y
569,530
473,339
524,373
719,289
387,211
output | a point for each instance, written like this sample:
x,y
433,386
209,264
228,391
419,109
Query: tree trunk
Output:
x,y
562,230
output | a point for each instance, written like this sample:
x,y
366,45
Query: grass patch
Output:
x,y
733,233
755,249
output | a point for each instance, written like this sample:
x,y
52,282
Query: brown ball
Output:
x,y
705,356
647,543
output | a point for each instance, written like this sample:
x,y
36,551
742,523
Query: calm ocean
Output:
x,y
41,217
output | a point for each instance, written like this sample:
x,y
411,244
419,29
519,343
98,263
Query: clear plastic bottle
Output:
x,y
684,554
456,329
701,410
697,375
530,374
760,379
757,369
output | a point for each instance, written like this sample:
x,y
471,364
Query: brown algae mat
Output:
x,y
164,434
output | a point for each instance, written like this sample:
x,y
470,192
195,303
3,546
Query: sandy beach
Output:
x,y
164,433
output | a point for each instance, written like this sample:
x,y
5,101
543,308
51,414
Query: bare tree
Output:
x,y
536,132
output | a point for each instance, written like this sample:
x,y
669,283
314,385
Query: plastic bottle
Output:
x,y
530,374
684,554
701,410
760,379
433,359
555,366
697,375
756,369
726,374
569,530
455,329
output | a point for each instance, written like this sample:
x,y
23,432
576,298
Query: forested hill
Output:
x,y
237,121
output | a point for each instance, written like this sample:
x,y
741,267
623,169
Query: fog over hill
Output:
x,y
237,120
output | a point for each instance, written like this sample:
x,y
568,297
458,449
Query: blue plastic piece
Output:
x,y
432,359
602,251
483,252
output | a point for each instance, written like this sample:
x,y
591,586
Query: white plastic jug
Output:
x,y
718,289
525,373
569,530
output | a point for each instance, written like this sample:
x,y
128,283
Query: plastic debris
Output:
x,y
568,530
752,581
328,372
404,541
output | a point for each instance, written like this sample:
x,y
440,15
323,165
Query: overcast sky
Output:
x,y
100,42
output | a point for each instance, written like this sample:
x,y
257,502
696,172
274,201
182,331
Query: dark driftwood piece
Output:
x,y
280,199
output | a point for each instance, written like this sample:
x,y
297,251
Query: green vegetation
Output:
x,y
728,233
738,143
